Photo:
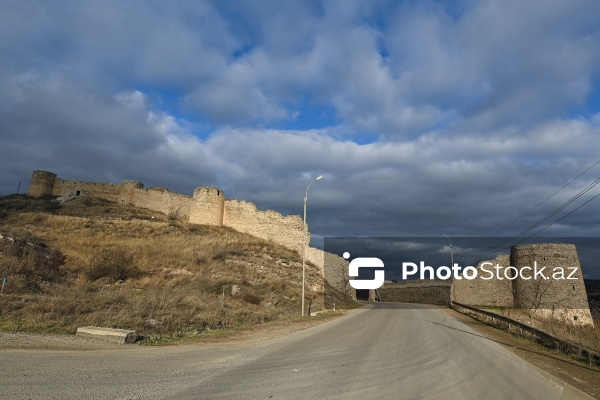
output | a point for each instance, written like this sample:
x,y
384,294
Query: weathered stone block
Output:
x,y
119,336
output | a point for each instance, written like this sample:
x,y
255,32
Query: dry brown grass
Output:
x,y
584,335
137,269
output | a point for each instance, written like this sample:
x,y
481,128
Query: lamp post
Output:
x,y
318,178
451,255
452,288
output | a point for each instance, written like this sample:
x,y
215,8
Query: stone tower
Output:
x,y
42,184
208,206
561,298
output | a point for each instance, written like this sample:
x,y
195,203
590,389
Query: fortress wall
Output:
x,y
314,256
108,191
335,270
270,225
333,267
418,291
481,292
162,200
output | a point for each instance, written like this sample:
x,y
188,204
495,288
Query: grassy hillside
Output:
x,y
91,262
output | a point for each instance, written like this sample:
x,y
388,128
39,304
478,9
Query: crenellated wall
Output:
x,y
109,191
129,192
162,200
271,225
208,206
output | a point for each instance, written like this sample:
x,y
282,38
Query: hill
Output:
x,y
92,262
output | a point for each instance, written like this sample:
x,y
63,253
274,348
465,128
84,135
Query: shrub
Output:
x,y
115,264
174,214
251,298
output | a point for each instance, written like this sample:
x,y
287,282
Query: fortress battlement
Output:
x,y
208,206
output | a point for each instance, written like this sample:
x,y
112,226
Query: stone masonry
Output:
x,y
479,291
417,291
557,298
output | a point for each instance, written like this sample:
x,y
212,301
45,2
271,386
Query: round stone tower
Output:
x,y
42,184
208,206
557,293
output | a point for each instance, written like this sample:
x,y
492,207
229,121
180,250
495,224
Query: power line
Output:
x,y
561,218
559,209
540,203
483,252
490,249
553,213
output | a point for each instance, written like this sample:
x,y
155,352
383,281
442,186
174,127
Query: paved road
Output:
x,y
384,351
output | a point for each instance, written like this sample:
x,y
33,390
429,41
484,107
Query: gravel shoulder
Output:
x,y
245,335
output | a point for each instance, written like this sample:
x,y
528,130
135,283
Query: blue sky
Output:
x,y
425,117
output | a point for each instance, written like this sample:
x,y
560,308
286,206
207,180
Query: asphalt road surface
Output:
x,y
383,351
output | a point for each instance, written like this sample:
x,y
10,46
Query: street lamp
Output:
x,y
452,288
318,178
451,255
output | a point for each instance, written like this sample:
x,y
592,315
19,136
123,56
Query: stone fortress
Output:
x,y
561,299
207,206
565,299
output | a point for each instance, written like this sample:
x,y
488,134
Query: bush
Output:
x,y
174,214
115,264
251,298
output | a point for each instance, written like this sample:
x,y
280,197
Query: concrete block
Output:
x,y
120,336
